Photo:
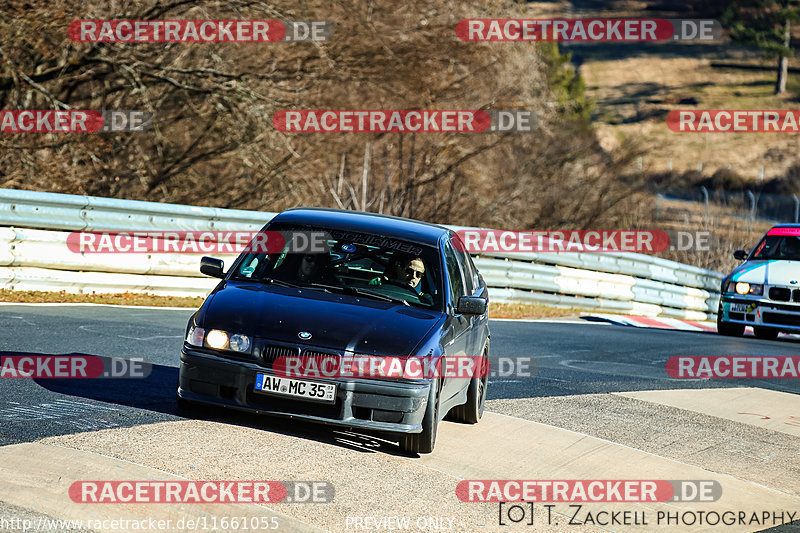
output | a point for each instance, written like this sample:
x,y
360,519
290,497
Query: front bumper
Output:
x,y
368,404
761,312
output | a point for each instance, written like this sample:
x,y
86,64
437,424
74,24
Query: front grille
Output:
x,y
315,353
793,308
780,294
271,352
796,295
736,316
780,318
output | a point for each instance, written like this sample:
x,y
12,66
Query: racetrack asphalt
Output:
x,y
594,380
564,358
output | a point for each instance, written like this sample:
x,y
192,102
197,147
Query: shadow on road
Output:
x,y
156,393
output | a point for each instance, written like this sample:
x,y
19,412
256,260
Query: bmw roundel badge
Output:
x,y
304,335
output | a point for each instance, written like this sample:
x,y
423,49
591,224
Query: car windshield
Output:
x,y
784,247
366,265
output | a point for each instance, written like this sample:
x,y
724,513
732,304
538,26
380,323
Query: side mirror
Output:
x,y
741,255
471,305
211,266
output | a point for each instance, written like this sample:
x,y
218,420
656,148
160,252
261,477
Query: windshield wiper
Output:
x,y
279,282
378,296
343,289
347,289
326,288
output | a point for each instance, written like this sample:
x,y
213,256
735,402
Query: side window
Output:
x,y
467,266
470,274
454,273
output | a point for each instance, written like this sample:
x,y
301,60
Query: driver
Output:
x,y
405,271
314,268
791,248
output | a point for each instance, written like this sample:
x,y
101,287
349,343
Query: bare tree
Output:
x,y
213,142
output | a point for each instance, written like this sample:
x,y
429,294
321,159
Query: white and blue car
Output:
x,y
764,291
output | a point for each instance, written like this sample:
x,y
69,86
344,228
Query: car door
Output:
x,y
458,328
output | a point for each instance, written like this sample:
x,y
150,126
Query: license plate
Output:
x,y
310,390
739,308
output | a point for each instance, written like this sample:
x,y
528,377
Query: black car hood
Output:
x,y
335,321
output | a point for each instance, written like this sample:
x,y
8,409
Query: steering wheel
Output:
x,y
403,285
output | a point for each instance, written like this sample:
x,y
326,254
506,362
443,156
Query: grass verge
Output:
x,y
501,310
126,298
496,310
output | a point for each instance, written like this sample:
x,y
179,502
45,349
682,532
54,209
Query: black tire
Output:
x,y
728,329
472,411
425,441
765,333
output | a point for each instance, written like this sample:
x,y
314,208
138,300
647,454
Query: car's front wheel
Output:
x,y
766,333
425,441
472,411
728,329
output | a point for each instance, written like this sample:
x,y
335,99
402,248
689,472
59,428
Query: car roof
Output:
x,y
786,226
357,221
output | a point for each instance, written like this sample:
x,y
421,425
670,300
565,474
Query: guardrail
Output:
x,y
29,209
39,259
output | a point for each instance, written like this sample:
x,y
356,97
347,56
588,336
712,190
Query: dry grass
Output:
x,y
500,310
496,310
728,233
115,299
634,86
635,94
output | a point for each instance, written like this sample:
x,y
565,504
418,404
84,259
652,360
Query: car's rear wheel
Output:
x,y
763,332
472,411
728,329
425,441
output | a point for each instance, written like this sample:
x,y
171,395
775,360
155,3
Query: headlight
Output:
x,y
220,340
743,288
240,343
195,336
217,339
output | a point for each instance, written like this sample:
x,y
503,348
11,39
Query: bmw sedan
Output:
x,y
764,291
372,287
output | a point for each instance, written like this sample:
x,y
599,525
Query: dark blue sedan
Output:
x,y
354,287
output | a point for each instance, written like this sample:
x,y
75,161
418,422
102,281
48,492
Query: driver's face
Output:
x,y
308,265
412,273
